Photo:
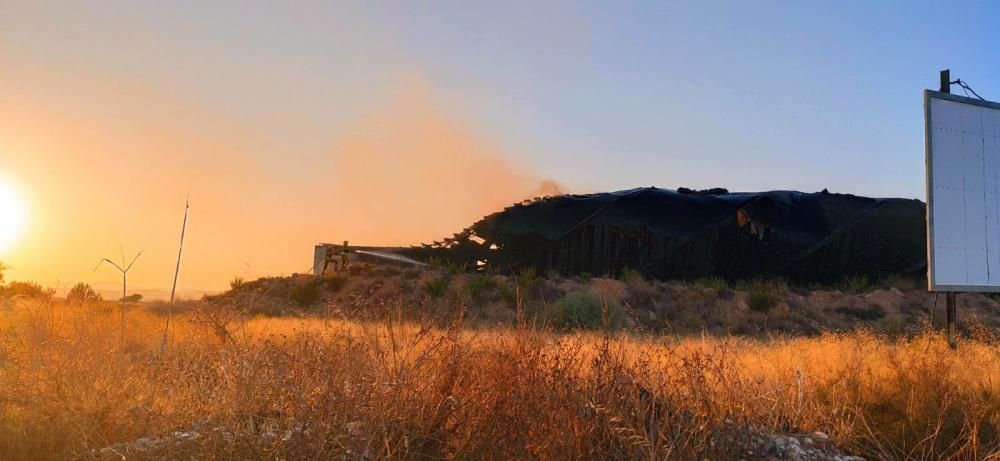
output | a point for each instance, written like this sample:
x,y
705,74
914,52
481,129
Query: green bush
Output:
x,y
630,275
448,265
526,279
761,298
480,284
306,294
508,293
743,285
456,268
711,283
583,310
438,287
856,283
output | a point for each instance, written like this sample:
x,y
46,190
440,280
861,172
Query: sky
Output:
x,y
386,123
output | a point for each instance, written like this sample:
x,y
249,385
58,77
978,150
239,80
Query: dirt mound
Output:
x,y
670,307
334,294
772,307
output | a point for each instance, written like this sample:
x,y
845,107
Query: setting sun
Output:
x,y
12,217
557,230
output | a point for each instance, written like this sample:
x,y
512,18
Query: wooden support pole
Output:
x,y
952,318
946,81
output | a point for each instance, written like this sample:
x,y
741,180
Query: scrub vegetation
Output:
x,y
398,381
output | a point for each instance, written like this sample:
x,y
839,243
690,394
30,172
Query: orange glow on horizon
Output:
x,y
13,216
408,172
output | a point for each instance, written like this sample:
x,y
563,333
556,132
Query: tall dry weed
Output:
x,y
284,388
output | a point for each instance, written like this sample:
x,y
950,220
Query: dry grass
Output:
x,y
314,389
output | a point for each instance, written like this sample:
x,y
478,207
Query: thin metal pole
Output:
x,y
177,271
124,284
952,318
950,310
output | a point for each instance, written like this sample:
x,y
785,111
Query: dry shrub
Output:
x,y
321,389
642,293
904,283
306,294
26,290
335,282
480,284
388,270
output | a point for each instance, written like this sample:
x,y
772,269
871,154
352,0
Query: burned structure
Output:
x,y
806,237
817,237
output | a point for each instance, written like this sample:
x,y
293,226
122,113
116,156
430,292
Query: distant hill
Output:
x,y
111,292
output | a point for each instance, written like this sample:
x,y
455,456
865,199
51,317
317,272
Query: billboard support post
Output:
x,y
952,313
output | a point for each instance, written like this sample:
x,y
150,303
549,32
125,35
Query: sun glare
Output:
x,y
12,217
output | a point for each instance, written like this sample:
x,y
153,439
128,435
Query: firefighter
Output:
x,y
329,259
756,228
344,262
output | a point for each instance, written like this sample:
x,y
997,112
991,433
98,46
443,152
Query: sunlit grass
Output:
x,y
325,389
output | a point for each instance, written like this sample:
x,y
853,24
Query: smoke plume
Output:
x,y
410,173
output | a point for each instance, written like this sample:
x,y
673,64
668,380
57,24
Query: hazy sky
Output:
x,y
390,123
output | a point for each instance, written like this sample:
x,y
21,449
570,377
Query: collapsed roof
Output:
x,y
662,233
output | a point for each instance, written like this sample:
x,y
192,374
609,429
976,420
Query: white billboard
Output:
x,y
963,193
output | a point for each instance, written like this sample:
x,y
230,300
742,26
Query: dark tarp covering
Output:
x,y
807,237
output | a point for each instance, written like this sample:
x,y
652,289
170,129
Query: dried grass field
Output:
x,y
285,388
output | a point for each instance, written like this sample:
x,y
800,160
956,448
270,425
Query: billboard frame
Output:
x,y
929,184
